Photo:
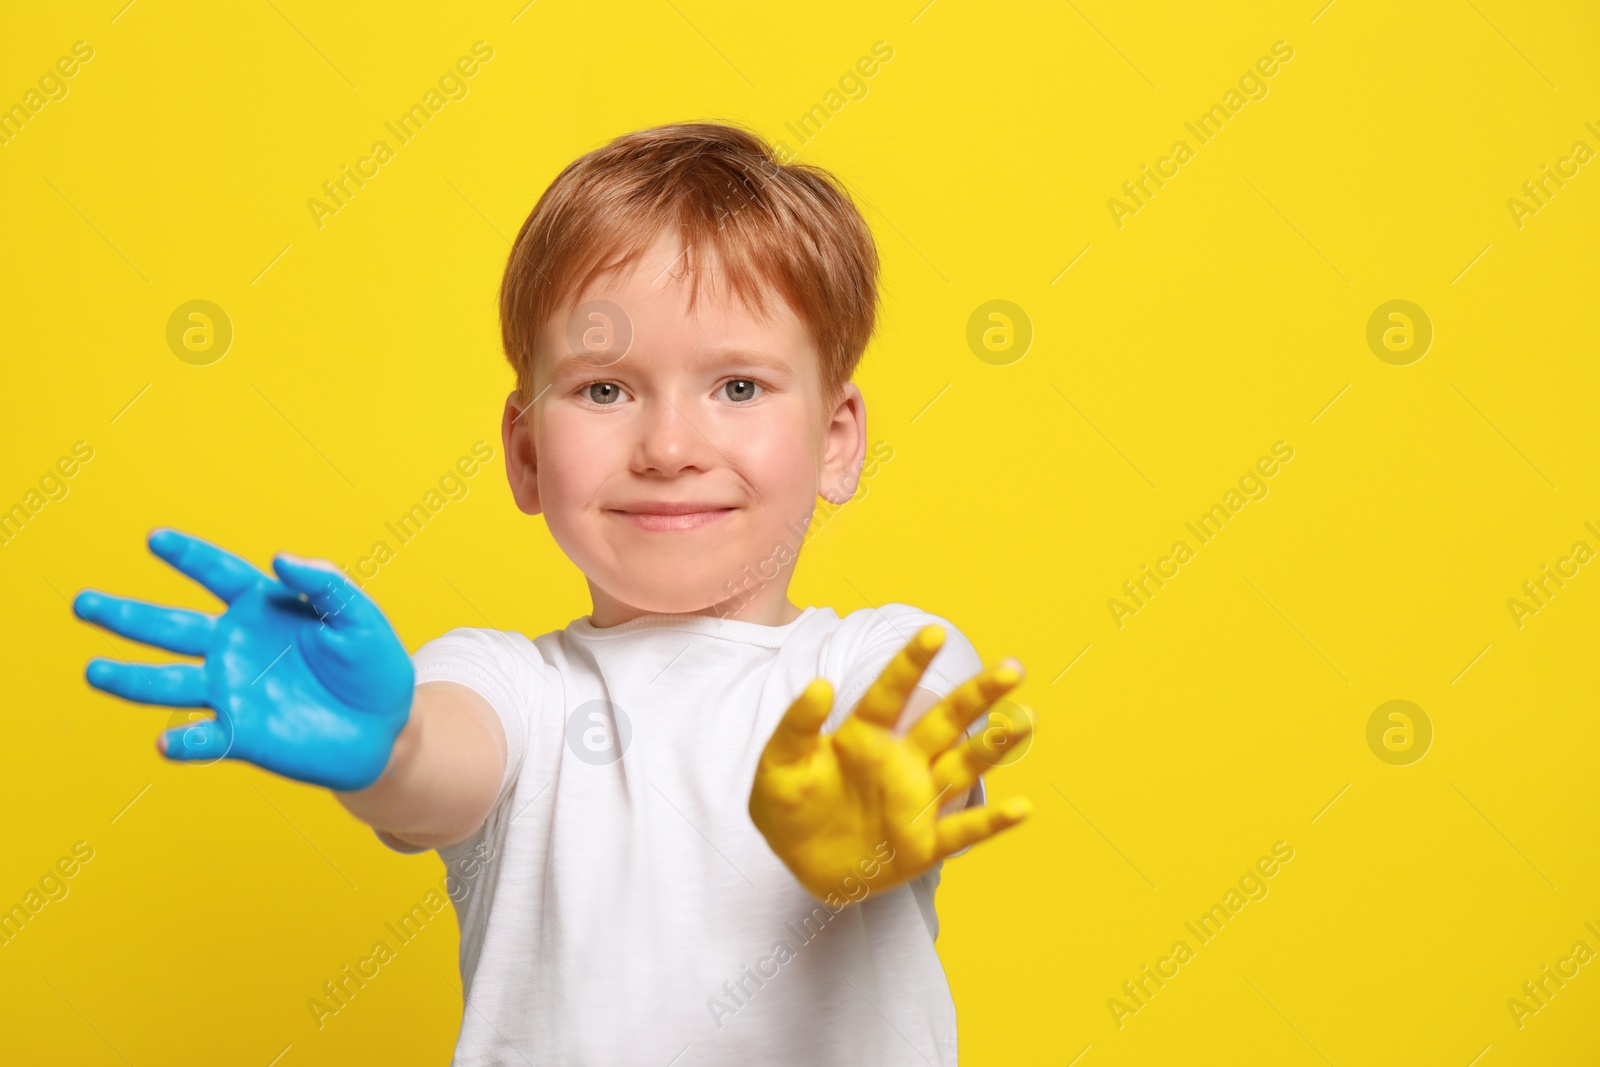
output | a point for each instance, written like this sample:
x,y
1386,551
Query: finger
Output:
x,y
223,573
180,685
174,629
961,765
336,599
969,827
946,721
886,698
205,739
796,734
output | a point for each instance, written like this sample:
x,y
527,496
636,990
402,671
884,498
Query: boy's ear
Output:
x,y
844,447
516,433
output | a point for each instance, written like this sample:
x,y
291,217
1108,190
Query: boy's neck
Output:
x,y
768,606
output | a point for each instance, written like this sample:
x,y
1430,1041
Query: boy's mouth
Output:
x,y
669,515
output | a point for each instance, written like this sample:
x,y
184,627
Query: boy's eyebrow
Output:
x,y
750,357
579,363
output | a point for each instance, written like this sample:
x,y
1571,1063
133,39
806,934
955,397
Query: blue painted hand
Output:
x,y
306,676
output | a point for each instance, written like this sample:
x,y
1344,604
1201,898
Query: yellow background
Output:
x,y
1224,316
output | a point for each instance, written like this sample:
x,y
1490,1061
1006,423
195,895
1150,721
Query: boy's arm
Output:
x,y
444,773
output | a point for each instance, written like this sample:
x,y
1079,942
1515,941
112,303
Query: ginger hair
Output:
x,y
767,226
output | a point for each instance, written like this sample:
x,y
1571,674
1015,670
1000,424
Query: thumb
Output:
x,y
796,734
334,597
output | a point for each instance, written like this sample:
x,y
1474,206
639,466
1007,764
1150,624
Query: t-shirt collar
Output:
x,y
742,631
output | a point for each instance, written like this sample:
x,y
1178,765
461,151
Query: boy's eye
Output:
x,y
603,393
606,394
740,389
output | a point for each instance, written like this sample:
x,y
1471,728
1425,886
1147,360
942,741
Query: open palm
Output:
x,y
306,676
832,805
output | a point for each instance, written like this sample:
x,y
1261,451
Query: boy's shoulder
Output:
x,y
900,622
869,638
476,642
893,617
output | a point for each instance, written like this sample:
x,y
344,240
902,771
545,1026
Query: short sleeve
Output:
x,y
504,668
886,631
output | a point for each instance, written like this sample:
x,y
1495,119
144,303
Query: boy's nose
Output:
x,y
671,439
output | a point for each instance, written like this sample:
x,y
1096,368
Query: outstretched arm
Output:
x,y
442,776
309,681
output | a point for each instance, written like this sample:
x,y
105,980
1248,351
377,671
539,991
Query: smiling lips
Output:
x,y
664,515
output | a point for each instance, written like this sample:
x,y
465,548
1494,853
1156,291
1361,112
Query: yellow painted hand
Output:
x,y
861,803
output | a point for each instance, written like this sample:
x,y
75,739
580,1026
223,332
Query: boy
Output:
x,y
658,855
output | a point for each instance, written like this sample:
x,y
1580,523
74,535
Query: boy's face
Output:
x,y
713,408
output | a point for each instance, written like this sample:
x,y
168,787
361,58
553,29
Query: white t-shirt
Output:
x,y
619,906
